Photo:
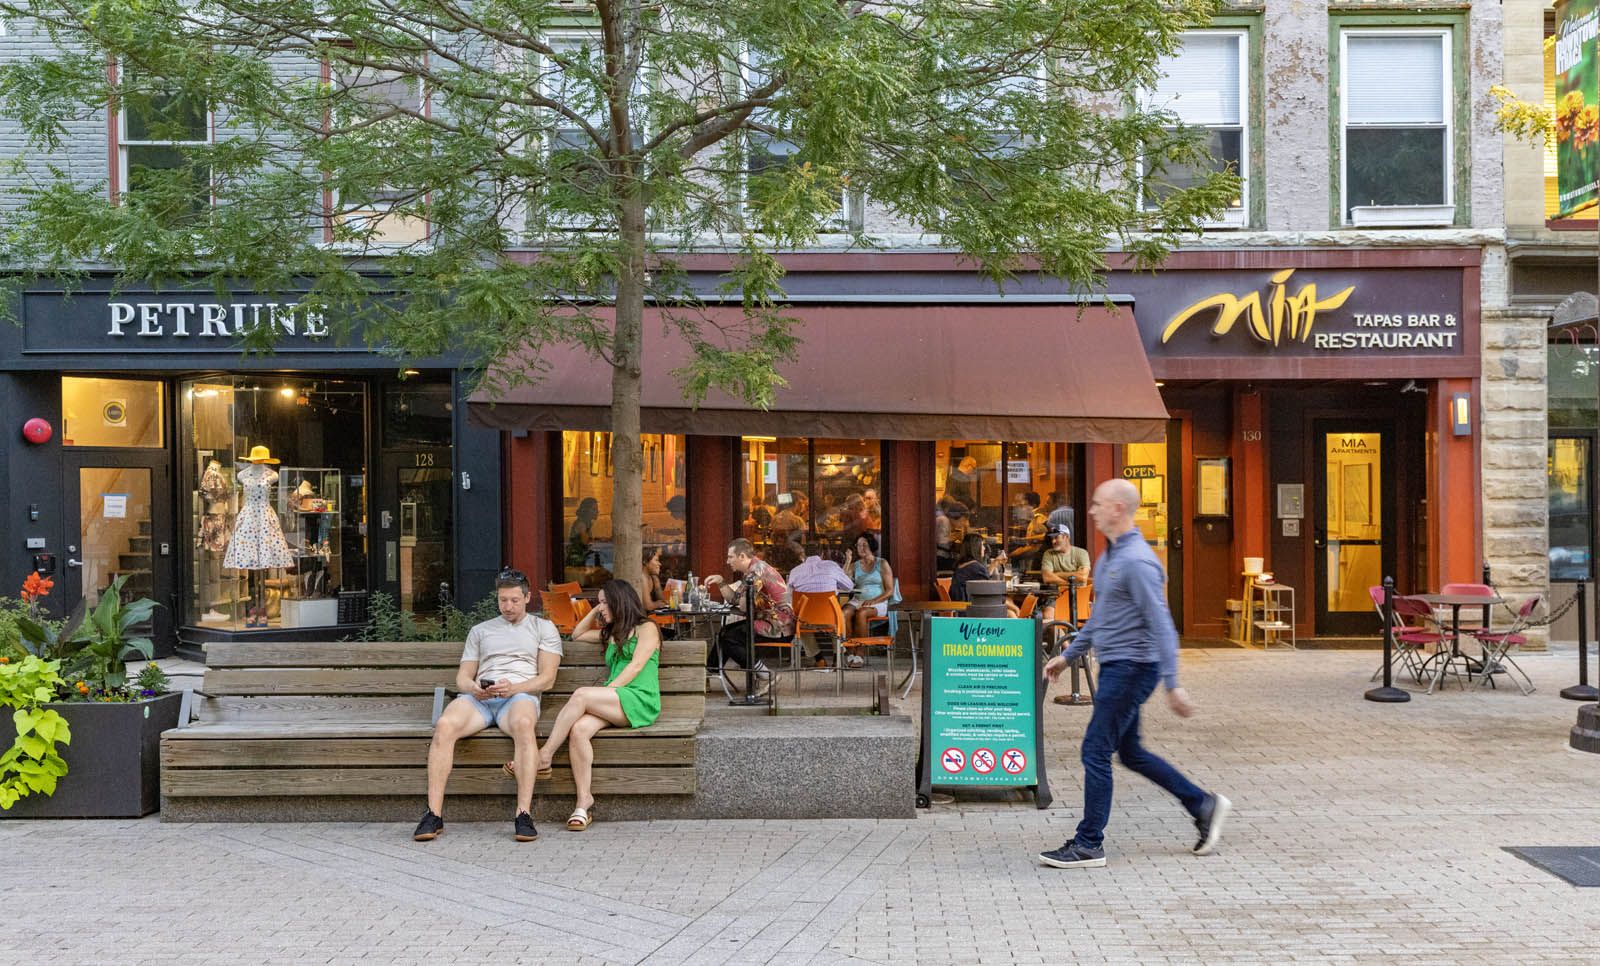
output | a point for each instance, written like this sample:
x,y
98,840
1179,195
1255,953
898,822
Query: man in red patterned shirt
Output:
x,y
774,617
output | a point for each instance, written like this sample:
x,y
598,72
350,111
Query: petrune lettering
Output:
x,y
150,320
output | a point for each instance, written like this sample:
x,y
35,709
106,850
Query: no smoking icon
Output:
x,y
1013,761
983,761
953,760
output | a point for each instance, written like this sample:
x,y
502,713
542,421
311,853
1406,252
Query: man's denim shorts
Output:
x,y
494,710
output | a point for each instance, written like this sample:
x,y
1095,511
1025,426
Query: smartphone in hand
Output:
x,y
485,684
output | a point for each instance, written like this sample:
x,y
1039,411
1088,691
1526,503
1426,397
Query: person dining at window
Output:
x,y
655,594
1061,561
874,580
977,564
820,575
582,533
774,612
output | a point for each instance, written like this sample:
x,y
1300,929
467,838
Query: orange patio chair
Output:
x,y
558,608
941,586
571,588
1028,604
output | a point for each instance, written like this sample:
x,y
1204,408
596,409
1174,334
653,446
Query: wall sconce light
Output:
x,y
1461,414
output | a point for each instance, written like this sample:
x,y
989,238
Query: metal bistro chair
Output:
x,y
1497,646
1476,590
1410,639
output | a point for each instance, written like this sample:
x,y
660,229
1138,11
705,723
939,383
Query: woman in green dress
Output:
x,y
630,698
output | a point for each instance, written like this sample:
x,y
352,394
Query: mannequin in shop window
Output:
x,y
257,543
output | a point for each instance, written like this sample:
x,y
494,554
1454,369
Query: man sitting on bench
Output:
x,y
507,664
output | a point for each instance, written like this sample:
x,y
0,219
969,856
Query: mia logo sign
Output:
x,y
1290,315
1299,312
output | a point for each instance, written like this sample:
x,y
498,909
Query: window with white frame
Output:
x,y
156,131
1206,85
1396,104
767,152
381,99
990,102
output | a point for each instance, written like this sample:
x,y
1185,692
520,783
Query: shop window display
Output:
x,y
1003,491
586,487
804,496
275,473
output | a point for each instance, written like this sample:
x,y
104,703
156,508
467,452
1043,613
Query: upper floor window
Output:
x,y
769,153
381,101
1207,86
1396,103
156,131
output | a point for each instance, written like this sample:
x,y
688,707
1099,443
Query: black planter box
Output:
x,y
113,763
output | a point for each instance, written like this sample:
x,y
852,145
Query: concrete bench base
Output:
x,y
815,766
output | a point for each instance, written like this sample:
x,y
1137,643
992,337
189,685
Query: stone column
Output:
x,y
1516,539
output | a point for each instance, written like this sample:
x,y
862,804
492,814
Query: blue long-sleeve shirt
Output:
x,y
1130,621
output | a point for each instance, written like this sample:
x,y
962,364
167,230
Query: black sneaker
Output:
x,y
1212,814
1074,856
430,828
523,828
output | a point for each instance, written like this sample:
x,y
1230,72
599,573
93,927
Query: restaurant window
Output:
x,y
803,496
112,412
1206,85
1396,103
1003,491
586,489
156,134
279,564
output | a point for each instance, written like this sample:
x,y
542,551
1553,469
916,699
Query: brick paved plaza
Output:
x,y
1360,831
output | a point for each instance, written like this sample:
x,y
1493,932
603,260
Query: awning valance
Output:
x,y
1031,371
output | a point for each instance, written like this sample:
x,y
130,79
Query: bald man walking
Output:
x,y
1131,633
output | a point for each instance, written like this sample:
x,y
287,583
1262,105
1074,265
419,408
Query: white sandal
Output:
x,y
579,819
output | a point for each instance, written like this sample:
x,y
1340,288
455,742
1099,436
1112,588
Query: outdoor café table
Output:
x,y
919,611
1455,602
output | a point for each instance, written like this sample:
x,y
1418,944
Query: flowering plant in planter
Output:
x,y
94,652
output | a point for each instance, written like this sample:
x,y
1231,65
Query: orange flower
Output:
x,y
5,660
83,688
36,586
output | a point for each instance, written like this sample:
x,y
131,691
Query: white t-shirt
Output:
x,y
510,652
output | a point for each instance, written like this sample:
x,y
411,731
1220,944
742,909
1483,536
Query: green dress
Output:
x,y
641,697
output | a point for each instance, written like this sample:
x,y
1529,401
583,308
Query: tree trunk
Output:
x,y
627,455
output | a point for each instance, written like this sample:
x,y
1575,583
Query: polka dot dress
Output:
x,y
257,542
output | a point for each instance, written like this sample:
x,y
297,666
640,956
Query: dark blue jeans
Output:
x,y
1124,686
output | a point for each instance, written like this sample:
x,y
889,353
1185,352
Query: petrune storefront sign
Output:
x,y
88,322
182,320
1300,313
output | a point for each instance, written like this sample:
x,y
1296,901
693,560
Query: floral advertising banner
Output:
x,y
1577,106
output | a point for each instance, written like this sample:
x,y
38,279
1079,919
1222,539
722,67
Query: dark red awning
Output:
x,y
1027,371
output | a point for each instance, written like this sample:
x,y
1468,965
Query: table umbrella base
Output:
x,y
1388,695
1581,692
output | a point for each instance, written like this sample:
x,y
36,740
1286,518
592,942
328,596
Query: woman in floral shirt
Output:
x,y
774,616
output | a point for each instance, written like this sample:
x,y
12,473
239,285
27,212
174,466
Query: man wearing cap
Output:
x,y
1061,561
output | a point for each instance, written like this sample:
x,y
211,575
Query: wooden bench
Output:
x,y
355,719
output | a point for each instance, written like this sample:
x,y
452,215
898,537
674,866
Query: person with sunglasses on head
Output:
x,y
508,662
630,698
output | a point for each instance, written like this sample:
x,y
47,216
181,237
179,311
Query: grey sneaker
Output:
x,y
1071,855
1212,814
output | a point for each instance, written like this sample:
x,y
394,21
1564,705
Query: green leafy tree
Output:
x,y
426,140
